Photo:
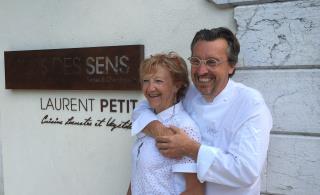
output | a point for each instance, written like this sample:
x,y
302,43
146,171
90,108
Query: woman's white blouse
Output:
x,y
153,174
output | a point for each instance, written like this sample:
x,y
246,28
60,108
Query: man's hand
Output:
x,y
177,145
156,128
193,185
195,190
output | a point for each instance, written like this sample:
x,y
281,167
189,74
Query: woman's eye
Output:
x,y
145,81
159,81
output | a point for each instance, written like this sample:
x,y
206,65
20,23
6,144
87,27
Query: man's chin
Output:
x,y
203,87
204,91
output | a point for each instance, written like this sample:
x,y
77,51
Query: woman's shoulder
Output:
x,y
183,120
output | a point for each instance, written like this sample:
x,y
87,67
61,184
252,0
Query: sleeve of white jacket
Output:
x,y
141,117
242,163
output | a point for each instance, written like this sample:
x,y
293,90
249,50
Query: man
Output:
x,y
234,120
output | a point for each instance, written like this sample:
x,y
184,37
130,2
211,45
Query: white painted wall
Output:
x,y
50,160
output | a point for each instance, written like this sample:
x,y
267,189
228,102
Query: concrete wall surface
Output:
x,y
280,56
279,34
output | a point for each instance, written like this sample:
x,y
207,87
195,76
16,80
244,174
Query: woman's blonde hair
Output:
x,y
174,64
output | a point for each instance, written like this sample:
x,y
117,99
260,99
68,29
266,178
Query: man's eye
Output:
x,y
211,62
145,81
195,61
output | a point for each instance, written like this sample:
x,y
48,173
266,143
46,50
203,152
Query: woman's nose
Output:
x,y
151,87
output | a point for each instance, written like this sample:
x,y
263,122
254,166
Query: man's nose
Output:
x,y
202,69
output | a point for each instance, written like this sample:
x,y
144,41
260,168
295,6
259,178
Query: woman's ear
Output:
x,y
177,86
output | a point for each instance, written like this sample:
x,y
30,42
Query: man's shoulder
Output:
x,y
247,93
192,91
183,117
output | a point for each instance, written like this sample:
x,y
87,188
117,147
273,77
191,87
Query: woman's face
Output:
x,y
159,89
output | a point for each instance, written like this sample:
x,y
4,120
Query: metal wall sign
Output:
x,y
91,68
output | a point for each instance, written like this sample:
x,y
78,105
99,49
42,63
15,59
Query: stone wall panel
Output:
x,y
279,34
293,97
230,3
293,165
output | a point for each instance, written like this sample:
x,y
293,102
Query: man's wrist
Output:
x,y
192,149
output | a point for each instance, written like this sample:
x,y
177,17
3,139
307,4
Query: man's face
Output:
x,y
210,81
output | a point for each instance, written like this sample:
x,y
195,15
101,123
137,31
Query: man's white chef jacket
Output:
x,y
234,129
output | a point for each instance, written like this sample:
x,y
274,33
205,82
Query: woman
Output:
x,y
164,81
